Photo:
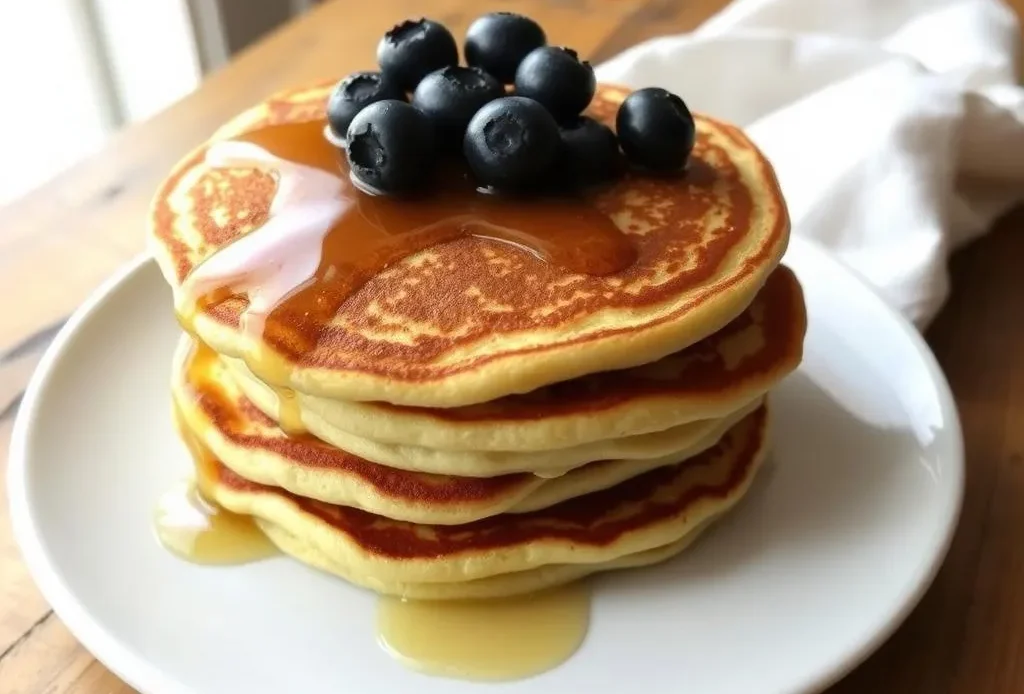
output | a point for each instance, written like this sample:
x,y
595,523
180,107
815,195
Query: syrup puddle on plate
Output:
x,y
485,640
203,533
496,639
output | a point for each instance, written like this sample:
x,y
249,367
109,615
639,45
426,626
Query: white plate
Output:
x,y
836,542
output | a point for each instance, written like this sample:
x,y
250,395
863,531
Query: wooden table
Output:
x,y
58,243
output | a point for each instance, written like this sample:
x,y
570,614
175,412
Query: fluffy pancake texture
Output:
x,y
499,586
470,417
222,420
642,412
654,511
499,320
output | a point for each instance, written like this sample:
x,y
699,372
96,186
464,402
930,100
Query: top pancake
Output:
x,y
471,319
708,380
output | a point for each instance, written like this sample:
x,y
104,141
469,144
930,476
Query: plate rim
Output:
x,y
925,577
119,658
140,674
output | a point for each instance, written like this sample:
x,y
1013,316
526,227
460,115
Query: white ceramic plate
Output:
x,y
836,542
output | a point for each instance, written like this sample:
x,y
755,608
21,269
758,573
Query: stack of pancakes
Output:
x,y
474,421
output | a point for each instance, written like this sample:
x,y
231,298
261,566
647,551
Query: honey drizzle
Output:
x,y
289,413
196,529
491,640
324,238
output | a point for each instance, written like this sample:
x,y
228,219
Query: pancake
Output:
x,y
500,586
642,412
465,316
218,418
689,437
647,512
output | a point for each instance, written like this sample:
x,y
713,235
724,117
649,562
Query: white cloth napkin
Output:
x,y
896,127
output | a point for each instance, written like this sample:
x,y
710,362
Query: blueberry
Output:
x,y
558,79
450,96
655,129
498,42
390,147
353,93
414,48
510,143
590,153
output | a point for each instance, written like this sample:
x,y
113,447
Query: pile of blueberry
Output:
x,y
422,105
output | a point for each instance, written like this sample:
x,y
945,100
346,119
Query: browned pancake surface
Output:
x,y
596,519
234,421
706,368
469,276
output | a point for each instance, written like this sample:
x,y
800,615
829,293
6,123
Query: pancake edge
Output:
x,y
481,379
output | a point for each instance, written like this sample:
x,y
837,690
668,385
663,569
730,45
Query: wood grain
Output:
x,y
58,243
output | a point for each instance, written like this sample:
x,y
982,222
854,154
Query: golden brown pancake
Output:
x,y
544,463
469,319
650,511
222,420
499,586
642,412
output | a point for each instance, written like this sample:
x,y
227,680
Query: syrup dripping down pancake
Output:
x,y
222,420
642,412
469,319
655,510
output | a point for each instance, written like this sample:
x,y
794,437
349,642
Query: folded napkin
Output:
x,y
896,127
